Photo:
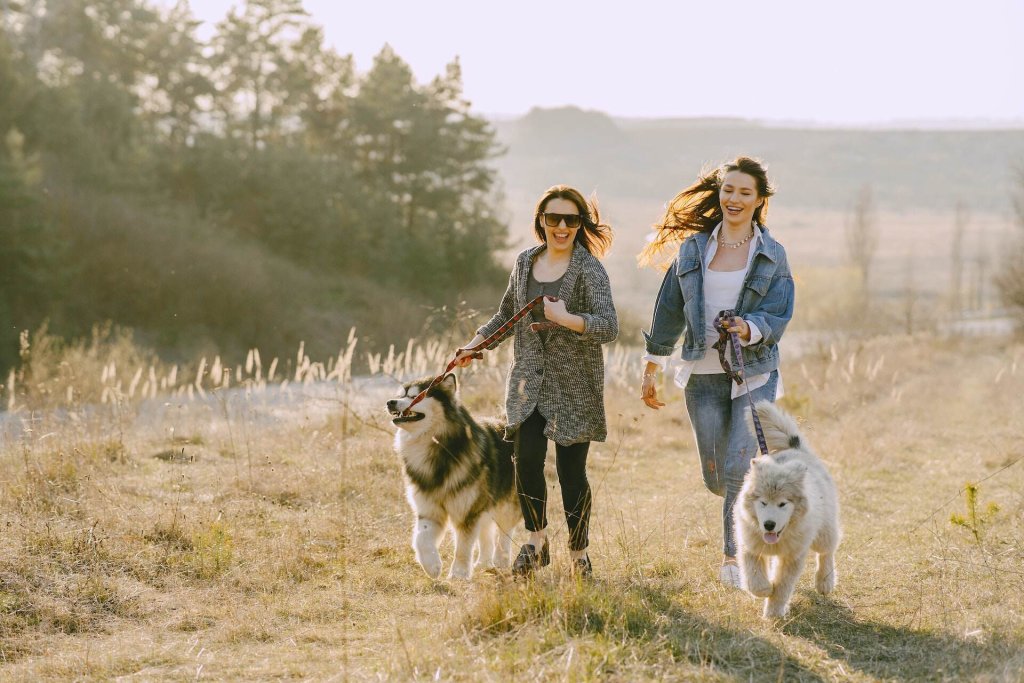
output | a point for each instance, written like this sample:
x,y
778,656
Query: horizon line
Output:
x,y
976,123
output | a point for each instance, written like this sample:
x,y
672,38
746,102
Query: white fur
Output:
x,y
793,494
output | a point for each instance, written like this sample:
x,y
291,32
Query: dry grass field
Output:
x,y
260,533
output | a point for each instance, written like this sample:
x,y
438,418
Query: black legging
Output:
x,y
571,464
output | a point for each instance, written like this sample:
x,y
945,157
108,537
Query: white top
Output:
x,y
721,291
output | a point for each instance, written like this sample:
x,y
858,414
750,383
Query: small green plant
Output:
x,y
212,550
974,522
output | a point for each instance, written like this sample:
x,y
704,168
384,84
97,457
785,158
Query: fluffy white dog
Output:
x,y
787,507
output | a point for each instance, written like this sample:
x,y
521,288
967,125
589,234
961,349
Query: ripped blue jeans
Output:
x,y
724,442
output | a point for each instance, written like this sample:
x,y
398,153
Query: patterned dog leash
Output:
x,y
501,333
724,338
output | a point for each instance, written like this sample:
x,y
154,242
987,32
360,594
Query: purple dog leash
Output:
x,y
726,338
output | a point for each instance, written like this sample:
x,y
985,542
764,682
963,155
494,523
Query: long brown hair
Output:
x,y
699,209
594,236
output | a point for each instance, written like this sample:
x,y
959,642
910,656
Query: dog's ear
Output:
x,y
449,382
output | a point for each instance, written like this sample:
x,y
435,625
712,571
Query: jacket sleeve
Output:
x,y
669,322
601,324
506,309
776,308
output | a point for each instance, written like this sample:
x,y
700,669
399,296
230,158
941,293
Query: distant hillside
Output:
x,y
916,178
813,168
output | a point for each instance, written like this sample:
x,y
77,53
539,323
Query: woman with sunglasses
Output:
x,y
725,260
555,387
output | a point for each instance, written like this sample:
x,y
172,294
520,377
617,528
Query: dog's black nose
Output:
x,y
769,525
393,404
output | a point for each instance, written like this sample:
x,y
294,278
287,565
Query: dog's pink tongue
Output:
x,y
771,537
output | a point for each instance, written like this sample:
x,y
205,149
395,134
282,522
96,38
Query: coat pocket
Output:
x,y
759,284
690,275
754,290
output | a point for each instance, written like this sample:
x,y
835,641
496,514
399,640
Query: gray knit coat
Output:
x,y
562,377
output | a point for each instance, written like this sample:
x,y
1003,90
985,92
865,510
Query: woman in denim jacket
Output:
x,y
726,260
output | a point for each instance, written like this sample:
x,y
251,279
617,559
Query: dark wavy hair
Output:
x,y
593,235
698,208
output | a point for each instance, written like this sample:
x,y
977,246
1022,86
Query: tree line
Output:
x,y
252,189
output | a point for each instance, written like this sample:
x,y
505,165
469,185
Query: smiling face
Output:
x,y
559,238
739,199
773,515
398,407
429,413
777,494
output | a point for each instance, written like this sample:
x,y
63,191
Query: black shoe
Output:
x,y
529,560
582,568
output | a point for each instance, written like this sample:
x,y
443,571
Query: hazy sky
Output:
x,y
854,62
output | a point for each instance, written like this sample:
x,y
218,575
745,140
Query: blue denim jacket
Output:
x,y
766,300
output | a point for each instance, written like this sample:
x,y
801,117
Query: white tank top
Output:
x,y
721,291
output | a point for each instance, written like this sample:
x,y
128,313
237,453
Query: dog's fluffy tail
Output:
x,y
780,430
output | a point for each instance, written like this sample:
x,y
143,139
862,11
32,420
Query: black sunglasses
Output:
x,y
572,220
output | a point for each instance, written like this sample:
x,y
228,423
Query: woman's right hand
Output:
x,y
649,393
464,357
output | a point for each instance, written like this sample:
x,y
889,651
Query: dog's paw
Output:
x,y
431,565
775,610
485,566
825,583
760,587
461,572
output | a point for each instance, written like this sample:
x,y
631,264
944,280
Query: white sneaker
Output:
x,y
729,575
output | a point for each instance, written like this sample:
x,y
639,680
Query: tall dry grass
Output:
x,y
256,528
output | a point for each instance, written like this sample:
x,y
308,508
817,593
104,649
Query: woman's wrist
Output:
x,y
474,341
573,322
556,316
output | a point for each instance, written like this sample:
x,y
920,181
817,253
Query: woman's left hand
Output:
x,y
649,392
554,310
740,327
